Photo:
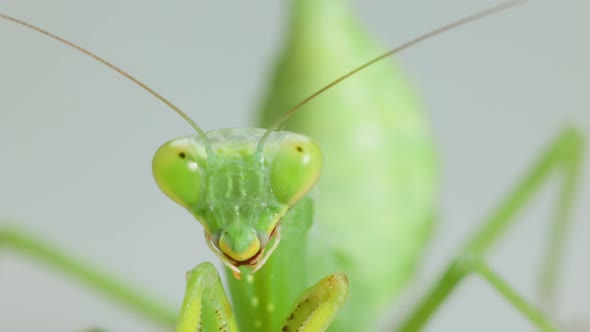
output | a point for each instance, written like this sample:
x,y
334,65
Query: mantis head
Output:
x,y
238,191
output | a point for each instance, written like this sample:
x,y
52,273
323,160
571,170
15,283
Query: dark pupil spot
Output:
x,y
182,155
299,149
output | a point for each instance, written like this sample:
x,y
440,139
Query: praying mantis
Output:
x,y
161,243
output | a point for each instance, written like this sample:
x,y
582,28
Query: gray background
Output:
x,y
497,92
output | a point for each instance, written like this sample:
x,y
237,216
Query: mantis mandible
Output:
x,y
157,141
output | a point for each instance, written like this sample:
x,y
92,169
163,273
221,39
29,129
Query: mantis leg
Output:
x,y
205,306
563,155
90,276
318,306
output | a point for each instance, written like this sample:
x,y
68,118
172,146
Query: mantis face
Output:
x,y
238,194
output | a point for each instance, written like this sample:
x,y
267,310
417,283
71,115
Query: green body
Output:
x,y
376,200
375,206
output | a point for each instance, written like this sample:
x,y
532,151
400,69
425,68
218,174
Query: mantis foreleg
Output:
x,y
318,305
564,155
205,306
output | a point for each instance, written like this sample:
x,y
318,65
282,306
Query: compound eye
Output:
x,y
294,170
177,173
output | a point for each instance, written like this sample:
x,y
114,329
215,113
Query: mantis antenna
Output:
x,y
168,103
453,25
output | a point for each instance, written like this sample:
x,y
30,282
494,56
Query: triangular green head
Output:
x,y
238,190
